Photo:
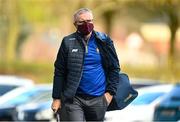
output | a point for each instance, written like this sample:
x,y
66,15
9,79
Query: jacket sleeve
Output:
x,y
113,68
60,71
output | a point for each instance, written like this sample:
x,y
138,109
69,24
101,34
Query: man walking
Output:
x,y
86,72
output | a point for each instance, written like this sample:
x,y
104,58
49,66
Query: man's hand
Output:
x,y
108,97
56,104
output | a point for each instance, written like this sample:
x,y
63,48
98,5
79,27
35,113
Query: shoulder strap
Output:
x,y
102,36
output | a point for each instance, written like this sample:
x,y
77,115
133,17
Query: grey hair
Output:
x,y
79,12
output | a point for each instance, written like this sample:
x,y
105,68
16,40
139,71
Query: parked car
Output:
x,y
142,108
8,109
169,108
11,86
8,83
36,110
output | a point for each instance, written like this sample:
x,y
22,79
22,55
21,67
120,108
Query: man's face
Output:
x,y
82,18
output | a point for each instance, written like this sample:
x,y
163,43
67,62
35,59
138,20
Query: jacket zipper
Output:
x,y
82,68
86,45
86,48
85,51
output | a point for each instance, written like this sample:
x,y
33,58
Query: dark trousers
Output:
x,y
83,108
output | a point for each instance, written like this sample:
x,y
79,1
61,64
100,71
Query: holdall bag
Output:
x,y
125,94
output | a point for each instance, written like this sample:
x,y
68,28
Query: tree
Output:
x,y
11,14
167,11
107,10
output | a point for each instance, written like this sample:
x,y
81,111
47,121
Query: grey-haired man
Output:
x,y
86,72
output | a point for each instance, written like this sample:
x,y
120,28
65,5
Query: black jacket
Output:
x,y
69,64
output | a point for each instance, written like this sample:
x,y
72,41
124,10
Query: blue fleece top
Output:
x,y
93,77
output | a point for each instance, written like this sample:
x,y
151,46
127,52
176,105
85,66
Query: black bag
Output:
x,y
125,94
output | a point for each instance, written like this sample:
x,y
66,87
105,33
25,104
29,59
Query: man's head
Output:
x,y
83,21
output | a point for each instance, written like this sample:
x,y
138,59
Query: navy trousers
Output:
x,y
83,108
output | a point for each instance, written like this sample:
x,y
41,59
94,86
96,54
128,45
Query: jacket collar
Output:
x,y
99,35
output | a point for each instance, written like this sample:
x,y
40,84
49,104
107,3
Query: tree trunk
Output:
x,y
108,16
13,30
173,24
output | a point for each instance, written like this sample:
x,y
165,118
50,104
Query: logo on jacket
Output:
x,y
74,50
97,50
72,39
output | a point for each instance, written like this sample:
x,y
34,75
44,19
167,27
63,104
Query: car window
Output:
x,y
45,96
27,96
146,98
175,98
6,88
175,94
